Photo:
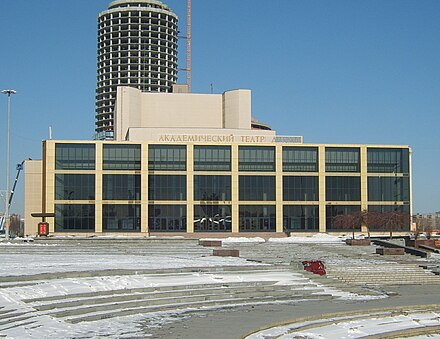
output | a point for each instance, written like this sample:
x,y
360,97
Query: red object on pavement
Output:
x,y
314,266
43,228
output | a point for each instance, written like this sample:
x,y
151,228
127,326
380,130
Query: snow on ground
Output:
x,y
315,238
351,327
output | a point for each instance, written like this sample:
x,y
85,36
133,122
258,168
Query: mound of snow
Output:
x,y
315,238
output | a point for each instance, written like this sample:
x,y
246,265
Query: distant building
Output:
x,y
137,47
428,221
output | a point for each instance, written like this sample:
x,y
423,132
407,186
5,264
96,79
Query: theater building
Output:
x,y
198,164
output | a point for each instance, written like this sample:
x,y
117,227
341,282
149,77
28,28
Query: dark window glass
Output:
x,y
257,218
300,159
121,218
300,188
333,211
389,208
74,218
75,156
167,218
339,159
343,188
300,218
211,218
167,157
388,188
256,158
167,187
74,187
212,158
256,188
388,160
212,187
122,157
122,187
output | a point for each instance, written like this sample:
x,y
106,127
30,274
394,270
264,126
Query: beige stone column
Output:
x,y
234,188
190,188
321,182
279,187
364,177
144,187
49,182
98,187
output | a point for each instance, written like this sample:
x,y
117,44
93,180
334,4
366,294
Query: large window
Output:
x,y
388,160
121,218
74,218
75,156
167,218
122,187
257,218
256,188
122,157
388,188
212,187
343,188
341,159
402,210
167,187
256,158
74,187
300,188
300,218
212,158
300,159
333,211
212,218
167,157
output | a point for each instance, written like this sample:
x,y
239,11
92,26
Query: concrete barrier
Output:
x,y
210,243
223,252
390,251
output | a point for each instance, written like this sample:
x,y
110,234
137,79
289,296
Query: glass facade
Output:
x,y
121,157
121,187
256,188
298,218
167,218
121,218
212,218
212,158
342,159
74,187
333,211
388,188
256,158
74,218
167,157
257,218
167,187
212,187
343,188
300,159
388,160
74,156
300,188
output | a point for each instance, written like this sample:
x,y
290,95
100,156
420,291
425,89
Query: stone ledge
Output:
x,y
390,251
223,252
210,243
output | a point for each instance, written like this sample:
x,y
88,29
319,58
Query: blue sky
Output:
x,y
332,71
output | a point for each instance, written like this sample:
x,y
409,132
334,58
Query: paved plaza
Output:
x,y
175,288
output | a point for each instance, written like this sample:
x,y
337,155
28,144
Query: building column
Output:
x,y
279,188
144,188
190,188
321,183
234,188
98,186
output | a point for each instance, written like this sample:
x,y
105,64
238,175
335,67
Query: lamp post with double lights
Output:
x,y
8,92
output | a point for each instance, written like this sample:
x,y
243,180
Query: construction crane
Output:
x,y
11,195
188,44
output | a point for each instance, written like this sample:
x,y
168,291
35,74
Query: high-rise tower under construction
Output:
x,y
137,46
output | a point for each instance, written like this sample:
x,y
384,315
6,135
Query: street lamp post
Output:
x,y
8,92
